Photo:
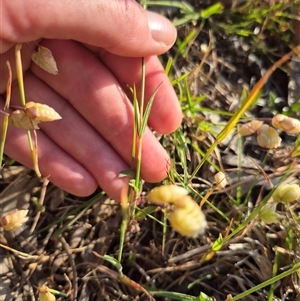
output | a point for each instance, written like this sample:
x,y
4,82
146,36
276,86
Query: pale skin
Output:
x,y
98,45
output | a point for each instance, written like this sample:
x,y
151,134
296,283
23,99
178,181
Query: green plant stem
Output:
x,y
140,140
19,70
6,111
275,269
125,207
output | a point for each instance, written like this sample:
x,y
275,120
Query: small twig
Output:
x,y
65,245
185,256
69,282
20,254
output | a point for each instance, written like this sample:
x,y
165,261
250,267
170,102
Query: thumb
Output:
x,y
120,27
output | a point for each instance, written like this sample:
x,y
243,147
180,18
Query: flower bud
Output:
x,y
287,193
250,128
166,194
268,137
14,219
287,124
187,218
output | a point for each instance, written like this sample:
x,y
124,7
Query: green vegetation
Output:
x,y
229,66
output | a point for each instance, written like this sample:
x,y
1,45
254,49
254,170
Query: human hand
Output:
x,y
97,46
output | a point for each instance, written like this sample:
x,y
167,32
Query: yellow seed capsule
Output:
x,y
287,193
32,114
45,295
187,218
14,219
221,180
287,124
250,128
41,112
45,60
20,120
268,137
166,194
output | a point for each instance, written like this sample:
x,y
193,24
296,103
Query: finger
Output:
x,y
54,163
121,27
77,138
166,114
9,56
97,96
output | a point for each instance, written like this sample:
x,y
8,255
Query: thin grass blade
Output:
x,y
147,112
6,110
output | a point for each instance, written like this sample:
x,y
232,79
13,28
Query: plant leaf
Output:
x,y
147,112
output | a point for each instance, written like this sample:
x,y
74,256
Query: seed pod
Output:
x,y
32,115
14,219
166,194
250,128
45,294
187,218
45,60
20,120
221,180
268,137
41,112
269,215
287,193
287,124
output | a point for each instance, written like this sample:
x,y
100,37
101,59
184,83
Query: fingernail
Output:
x,y
162,30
